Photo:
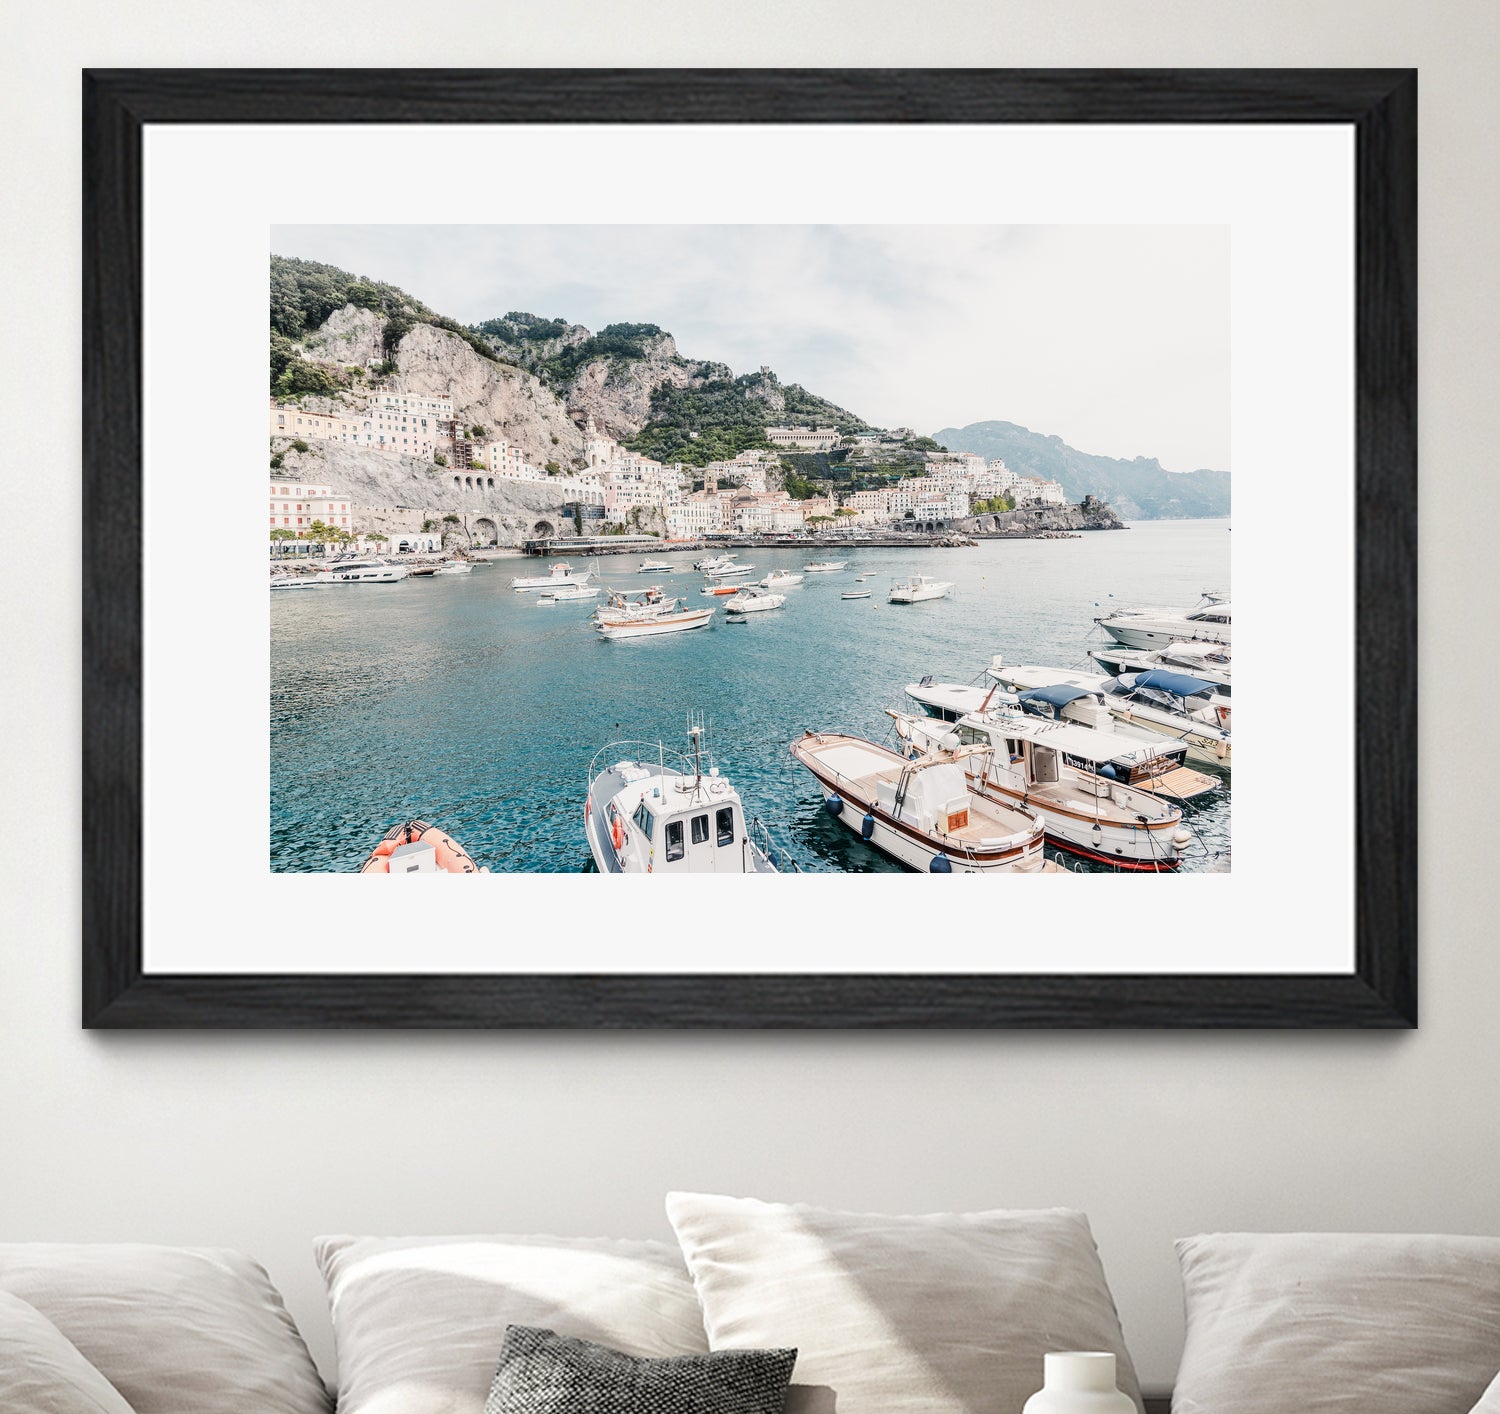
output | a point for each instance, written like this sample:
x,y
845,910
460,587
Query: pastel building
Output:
x,y
402,423
295,505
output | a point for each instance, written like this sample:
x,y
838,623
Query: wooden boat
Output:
x,y
415,847
856,594
922,812
660,623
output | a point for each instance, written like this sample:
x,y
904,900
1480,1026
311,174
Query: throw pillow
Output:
x,y
176,1330
1323,1322
418,1320
41,1371
943,1314
545,1373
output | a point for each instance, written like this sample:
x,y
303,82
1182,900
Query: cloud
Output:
x,y
1114,338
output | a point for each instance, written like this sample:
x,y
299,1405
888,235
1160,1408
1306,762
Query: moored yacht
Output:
x,y
567,594
714,562
921,812
560,574
456,567
361,572
654,812
1159,628
780,579
915,588
1210,661
653,567
824,566
1072,777
729,572
647,604
1176,705
753,601
1141,759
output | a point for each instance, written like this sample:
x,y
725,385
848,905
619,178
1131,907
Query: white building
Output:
x,y
403,423
804,439
295,505
1033,490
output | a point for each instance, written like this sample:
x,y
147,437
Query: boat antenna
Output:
x,y
695,735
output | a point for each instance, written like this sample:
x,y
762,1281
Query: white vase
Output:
x,y
1079,1382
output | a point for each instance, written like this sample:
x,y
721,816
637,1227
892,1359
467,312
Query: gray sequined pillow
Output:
x,y
544,1373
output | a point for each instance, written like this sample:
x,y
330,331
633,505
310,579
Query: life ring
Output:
x,y
617,832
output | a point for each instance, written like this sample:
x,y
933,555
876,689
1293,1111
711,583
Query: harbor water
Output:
x,y
456,700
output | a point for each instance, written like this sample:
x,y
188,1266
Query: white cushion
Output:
x,y
419,1321
41,1371
1323,1322
942,1314
174,1330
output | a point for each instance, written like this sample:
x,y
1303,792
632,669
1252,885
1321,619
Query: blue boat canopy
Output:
x,y
1058,695
1181,684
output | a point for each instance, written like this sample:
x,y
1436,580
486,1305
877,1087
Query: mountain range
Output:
x,y
531,379
1139,489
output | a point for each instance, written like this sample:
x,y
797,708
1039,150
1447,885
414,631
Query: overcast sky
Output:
x,y
1115,338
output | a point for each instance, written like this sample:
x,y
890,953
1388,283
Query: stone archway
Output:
x,y
544,528
487,530
468,483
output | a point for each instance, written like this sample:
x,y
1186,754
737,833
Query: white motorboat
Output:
x,y
1160,628
856,594
649,626
917,587
643,815
1072,777
1210,661
720,591
824,566
1160,703
653,567
568,594
753,601
714,562
921,812
559,575
1163,770
456,567
648,604
729,572
361,572
780,579
295,581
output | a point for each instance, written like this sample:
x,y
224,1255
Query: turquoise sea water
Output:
x,y
459,701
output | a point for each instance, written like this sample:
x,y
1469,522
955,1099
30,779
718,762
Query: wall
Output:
x,y
262,1141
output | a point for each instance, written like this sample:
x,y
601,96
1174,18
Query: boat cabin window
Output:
x,y
700,829
973,736
644,820
675,847
724,825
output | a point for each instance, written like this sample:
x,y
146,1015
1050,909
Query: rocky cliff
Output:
x,y
1041,520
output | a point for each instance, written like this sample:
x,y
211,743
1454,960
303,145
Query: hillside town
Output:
x,y
615,488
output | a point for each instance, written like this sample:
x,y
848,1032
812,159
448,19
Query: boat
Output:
x,y
644,605
921,811
824,566
456,567
294,581
918,587
1210,661
719,591
1158,703
714,562
730,572
1163,771
361,572
863,578
642,815
415,847
856,594
780,579
753,601
1160,628
559,575
653,567
630,626
568,594
1074,778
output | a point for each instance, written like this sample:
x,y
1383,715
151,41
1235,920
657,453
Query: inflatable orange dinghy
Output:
x,y
415,847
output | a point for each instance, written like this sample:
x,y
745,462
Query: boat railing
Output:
x,y
758,836
611,753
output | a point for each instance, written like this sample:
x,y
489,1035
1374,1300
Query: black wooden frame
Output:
x,y
1381,105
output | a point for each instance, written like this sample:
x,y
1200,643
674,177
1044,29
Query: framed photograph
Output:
x,y
792,481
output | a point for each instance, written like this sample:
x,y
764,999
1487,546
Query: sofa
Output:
x,y
925,1314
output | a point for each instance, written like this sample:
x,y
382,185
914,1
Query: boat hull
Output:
x,y
650,628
